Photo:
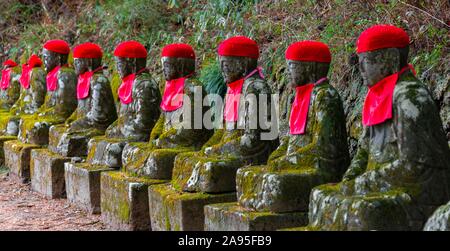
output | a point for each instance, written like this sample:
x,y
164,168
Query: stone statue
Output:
x,y
314,151
60,100
96,109
31,97
10,86
401,171
139,108
171,135
208,176
237,144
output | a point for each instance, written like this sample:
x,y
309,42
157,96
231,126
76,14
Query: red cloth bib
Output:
x,y
378,103
172,98
25,76
84,83
300,107
233,96
6,77
125,89
52,79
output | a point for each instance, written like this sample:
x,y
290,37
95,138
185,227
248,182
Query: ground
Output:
x,y
22,209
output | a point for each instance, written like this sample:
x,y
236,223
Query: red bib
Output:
x,y
52,79
6,77
378,103
84,82
233,96
300,107
125,89
172,98
25,76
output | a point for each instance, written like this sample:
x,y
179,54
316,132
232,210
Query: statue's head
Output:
x,y
55,53
9,64
178,60
382,51
307,62
238,56
130,57
87,57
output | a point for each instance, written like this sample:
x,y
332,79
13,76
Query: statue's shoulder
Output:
x,y
411,89
100,79
67,72
255,84
39,71
326,91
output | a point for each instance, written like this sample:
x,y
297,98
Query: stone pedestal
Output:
x,y
124,201
181,211
232,217
47,173
3,139
17,159
83,185
69,145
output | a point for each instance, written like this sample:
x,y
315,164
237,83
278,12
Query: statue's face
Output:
x,y
233,68
171,68
125,66
81,65
51,59
300,73
376,65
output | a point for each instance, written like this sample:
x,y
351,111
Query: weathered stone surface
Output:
x,y
232,217
260,189
180,211
139,159
47,173
106,151
3,139
209,175
70,144
17,158
439,220
83,185
124,201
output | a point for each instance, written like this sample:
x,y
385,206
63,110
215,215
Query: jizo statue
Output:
x,y
31,97
60,101
9,85
213,169
139,100
96,109
401,170
314,151
171,135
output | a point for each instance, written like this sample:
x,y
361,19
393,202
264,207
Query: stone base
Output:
x,y
181,211
73,144
17,159
3,139
106,151
83,185
47,173
124,201
232,217
263,190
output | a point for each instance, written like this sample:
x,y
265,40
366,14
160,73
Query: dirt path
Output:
x,y
23,209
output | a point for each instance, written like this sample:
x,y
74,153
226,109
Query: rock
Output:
x,y
17,158
171,210
439,220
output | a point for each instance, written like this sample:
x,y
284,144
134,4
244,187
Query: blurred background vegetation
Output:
x,y
274,24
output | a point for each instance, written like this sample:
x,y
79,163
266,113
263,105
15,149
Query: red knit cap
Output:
x,y
9,63
178,51
130,49
239,46
87,50
58,46
34,61
380,37
309,51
